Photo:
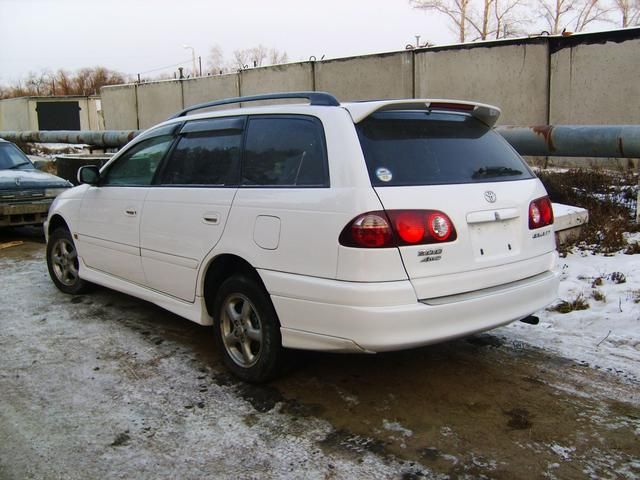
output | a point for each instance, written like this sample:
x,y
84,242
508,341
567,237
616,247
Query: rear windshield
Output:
x,y
427,148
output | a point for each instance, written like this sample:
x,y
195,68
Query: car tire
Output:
x,y
247,330
63,263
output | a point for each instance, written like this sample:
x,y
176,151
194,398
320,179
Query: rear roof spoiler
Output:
x,y
487,114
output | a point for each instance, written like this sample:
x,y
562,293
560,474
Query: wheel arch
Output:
x,y
55,222
219,269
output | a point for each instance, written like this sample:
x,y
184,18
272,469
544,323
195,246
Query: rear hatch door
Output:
x,y
453,163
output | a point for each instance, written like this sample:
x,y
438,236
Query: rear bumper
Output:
x,y
384,316
24,213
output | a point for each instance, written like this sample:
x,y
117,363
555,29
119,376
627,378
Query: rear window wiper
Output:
x,y
484,172
18,165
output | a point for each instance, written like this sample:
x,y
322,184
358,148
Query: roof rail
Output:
x,y
315,98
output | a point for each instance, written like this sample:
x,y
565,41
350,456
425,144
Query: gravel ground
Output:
x,y
108,386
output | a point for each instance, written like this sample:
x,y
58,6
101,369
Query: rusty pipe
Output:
x,y
101,138
621,141
605,141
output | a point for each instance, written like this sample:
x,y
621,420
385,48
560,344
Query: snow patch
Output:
x,y
563,452
396,427
606,336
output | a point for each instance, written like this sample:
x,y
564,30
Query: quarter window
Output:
x,y
138,165
284,152
203,159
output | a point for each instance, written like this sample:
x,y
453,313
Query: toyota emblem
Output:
x,y
489,196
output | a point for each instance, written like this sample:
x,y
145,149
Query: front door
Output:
x,y
109,218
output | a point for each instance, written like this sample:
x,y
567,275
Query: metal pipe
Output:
x,y
101,138
621,141
605,141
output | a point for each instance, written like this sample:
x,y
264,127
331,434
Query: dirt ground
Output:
x,y
107,386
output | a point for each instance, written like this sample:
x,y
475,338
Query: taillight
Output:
x,y
540,213
371,230
394,228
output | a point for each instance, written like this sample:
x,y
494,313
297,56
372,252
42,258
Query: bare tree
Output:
x,y
478,19
589,11
241,59
63,82
257,57
574,15
553,11
215,60
509,18
629,11
457,11
85,81
276,57
38,83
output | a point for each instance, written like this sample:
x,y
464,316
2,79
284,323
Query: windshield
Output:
x,y
11,157
425,148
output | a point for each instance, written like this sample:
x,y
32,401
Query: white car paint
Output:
x,y
327,296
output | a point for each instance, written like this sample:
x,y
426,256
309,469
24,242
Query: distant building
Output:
x,y
51,113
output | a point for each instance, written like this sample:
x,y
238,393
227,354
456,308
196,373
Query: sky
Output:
x,y
137,36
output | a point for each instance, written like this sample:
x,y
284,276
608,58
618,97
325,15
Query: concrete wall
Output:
x,y
120,107
15,114
513,77
596,83
586,78
96,120
293,77
21,114
83,103
158,101
200,90
371,77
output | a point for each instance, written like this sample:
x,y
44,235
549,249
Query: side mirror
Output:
x,y
89,174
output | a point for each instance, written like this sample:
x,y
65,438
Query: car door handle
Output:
x,y
130,212
211,218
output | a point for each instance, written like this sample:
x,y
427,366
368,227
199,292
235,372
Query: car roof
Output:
x,y
360,110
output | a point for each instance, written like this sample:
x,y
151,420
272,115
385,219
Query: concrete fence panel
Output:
x,y
596,83
119,107
371,77
158,101
15,114
206,89
509,75
293,77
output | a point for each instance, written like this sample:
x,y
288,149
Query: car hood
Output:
x,y
20,179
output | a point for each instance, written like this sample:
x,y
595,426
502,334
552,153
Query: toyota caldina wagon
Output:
x,y
343,227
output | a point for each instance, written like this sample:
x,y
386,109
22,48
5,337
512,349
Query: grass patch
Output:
x,y
579,303
598,296
610,198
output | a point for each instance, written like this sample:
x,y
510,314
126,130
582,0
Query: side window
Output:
x,y
204,158
138,165
284,151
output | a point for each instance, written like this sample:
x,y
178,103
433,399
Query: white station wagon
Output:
x,y
343,227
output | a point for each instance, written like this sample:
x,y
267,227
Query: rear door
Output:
x,y
186,211
283,216
454,164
